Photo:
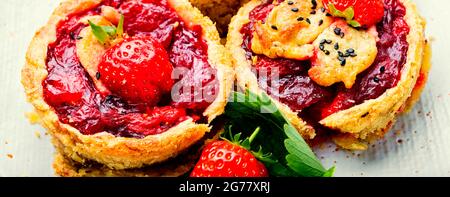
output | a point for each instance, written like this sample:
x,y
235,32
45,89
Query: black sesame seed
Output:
x,y
321,47
79,38
328,14
294,9
314,2
300,19
340,54
323,41
382,69
313,12
376,79
290,3
340,58
342,34
320,22
365,115
327,52
72,35
353,55
97,75
350,50
347,55
274,27
308,21
329,41
336,46
343,62
337,31
322,9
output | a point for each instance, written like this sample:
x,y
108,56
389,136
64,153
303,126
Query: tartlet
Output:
x,y
65,52
364,108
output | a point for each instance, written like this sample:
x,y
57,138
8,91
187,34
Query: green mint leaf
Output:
x,y
301,158
277,143
99,33
329,172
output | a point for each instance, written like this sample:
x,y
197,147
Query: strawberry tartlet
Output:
x,y
127,87
339,68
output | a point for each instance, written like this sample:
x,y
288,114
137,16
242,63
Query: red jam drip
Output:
x,y
321,102
70,90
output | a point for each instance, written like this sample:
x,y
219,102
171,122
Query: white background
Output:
x,y
425,132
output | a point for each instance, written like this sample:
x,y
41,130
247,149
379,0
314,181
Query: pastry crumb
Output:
x,y
10,156
33,117
38,134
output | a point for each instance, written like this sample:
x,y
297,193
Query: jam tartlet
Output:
x,y
113,105
335,77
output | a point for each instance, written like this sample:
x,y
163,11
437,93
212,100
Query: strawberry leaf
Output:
x,y
99,32
348,14
354,23
111,31
276,143
105,34
120,26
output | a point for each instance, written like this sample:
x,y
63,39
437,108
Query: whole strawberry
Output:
x,y
365,13
138,70
225,159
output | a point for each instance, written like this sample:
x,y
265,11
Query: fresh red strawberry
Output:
x,y
138,70
366,12
225,159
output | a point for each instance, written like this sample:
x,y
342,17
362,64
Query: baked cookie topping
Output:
x,y
356,59
336,56
289,29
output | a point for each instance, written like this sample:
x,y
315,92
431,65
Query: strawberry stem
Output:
x,y
254,134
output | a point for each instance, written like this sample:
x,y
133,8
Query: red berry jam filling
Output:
x,y
70,90
295,89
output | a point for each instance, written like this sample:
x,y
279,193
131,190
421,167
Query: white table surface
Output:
x,y
425,132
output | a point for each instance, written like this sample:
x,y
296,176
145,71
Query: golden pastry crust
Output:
x,y
66,167
118,152
178,166
363,122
